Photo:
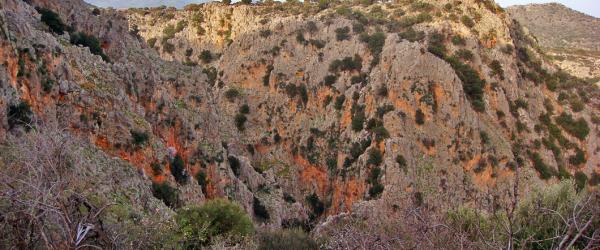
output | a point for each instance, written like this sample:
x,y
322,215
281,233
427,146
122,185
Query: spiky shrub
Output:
x,y
198,226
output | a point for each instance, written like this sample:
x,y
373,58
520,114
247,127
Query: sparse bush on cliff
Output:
x,y
140,138
151,42
578,128
231,94
240,121
316,205
412,35
436,44
205,56
234,164
420,117
166,193
346,64
375,157
178,170
52,20
90,41
358,117
339,102
375,43
467,21
260,211
342,34
472,84
19,115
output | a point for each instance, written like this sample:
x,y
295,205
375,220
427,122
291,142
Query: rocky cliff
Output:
x,y
303,111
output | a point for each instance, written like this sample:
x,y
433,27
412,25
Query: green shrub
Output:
x,y
578,128
358,117
90,41
580,180
260,211
544,170
412,35
265,33
178,170
464,54
420,117
244,109
151,42
382,91
181,24
578,158
267,76
421,6
376,190
294,239
497,69
240,121
231,94
467,21
375,43
346,64
319,44
315,204
246,1
53,20
140,138
401,161
166,193
436,44
19,115
342,34
458,40
408,21
169,32
189,52
235,165
202,180
472,84
198,226
329,80
205,56
375,157
339,102
47,85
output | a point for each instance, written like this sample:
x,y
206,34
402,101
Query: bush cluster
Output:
x,y
90,41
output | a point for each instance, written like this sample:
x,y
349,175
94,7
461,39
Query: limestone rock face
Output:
x,y
266,105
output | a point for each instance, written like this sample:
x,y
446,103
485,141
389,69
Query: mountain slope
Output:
x,y
304,112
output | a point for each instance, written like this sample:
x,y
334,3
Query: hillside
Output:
x,y
570,37
363,124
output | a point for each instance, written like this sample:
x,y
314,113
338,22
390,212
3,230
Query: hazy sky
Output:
x,y
590,7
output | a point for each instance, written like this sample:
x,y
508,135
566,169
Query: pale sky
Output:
x,y
590,7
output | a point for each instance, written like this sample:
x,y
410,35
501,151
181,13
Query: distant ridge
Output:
x,y
557,26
